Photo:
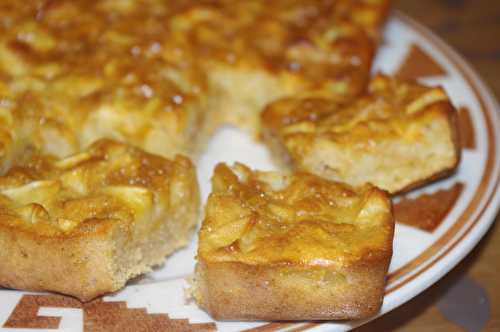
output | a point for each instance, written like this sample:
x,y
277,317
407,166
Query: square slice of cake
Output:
x,y
398,136
292,247
86,224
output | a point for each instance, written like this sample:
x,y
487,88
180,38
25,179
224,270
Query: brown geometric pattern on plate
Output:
x,y
427,211
270,327
417,64
98,316
467,136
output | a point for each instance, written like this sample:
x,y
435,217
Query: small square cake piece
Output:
x,y
398,136
292,247
86,224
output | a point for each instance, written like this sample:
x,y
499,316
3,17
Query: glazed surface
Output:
x,y
106,184
295,219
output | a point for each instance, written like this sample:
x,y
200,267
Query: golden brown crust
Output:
x,y
399,136
79,266
292,247
231,290
86,224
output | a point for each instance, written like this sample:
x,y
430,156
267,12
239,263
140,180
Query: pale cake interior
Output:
x,y
398,136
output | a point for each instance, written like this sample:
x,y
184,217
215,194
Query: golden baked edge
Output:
x,y
289,293
125,228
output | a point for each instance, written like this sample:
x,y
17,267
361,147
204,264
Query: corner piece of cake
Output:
x,y
292,247
398,136
86,224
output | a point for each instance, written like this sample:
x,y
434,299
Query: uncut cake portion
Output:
x,y
85,224
292,247
162,75
398,136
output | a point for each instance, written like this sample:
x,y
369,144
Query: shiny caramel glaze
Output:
x,y
262,218
107,183
74,71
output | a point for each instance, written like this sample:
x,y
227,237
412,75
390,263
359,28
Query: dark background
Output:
x,y
472,27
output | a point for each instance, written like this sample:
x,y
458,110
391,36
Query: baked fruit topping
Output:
x,y
163,74
292,247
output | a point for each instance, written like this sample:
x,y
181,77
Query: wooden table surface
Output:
x,y
472,27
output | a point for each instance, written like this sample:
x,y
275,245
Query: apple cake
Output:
x,y
398,136
85,224
277,246
162,75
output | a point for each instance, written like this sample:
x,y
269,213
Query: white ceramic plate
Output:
x,y
420,258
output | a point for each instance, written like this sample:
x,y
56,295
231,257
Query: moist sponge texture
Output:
x,y
398,136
